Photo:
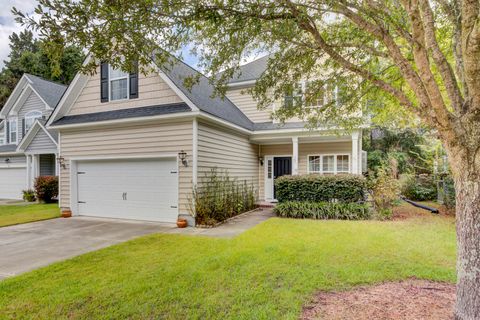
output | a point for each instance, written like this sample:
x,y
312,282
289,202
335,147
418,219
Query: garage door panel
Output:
x,y
129,189
12,182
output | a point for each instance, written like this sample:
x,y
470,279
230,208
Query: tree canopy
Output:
x,y
29,55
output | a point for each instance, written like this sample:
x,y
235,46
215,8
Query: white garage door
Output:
x,y
128,189
12,182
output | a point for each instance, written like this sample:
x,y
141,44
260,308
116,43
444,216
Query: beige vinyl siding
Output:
x,y
152,91
304,149
146,139
245,102
226,150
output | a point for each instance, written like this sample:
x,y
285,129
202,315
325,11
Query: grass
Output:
x,y
16,214
269,272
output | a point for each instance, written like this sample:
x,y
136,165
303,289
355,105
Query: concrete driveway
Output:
x,y
29,246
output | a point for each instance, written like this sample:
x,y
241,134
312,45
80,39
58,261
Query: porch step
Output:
x,y
266,204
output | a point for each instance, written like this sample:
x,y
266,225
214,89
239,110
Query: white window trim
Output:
x,y
110,79
335,155
10,130
32,115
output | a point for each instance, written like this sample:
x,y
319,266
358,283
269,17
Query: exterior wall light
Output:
x,y
61,162
260,159
182,155
7,160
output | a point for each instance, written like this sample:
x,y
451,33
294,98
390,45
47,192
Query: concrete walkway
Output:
x,y
29,246
232,227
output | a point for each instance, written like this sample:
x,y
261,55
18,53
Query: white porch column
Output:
x,y
295,156
29,170
35,166
355,156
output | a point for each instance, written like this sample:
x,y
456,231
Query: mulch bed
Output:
x,y
406,300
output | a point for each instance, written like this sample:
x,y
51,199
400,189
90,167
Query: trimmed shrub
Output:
x,y
29,195
219,197
318,188
323,210
46,188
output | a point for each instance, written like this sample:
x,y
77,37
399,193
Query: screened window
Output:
x,y
12,125
118,84
315,94
30,119
294,96
314,164
328,164
343,164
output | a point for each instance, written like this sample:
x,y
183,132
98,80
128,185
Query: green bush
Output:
x,y
46,188
219,197
29,195
318,188
421,188
323,210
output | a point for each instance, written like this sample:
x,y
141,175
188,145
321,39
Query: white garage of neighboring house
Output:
x,y
27,148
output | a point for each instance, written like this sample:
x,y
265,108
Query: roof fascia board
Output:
x,y
16,93
61,104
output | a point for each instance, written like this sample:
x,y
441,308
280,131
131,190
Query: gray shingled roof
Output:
x,y
201,94
250,71
8,148
124,114
50,92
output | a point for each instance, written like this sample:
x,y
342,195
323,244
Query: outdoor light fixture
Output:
x,y
61,162
182,155
7,160
260,159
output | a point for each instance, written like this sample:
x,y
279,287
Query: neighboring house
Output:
x,y
134,146
27,148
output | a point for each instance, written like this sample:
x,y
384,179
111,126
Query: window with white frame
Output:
x,y
329,164
118,81
315,94
30,119
12,130
294,96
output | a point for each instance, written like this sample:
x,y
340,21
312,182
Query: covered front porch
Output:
x,y
306,153
40,164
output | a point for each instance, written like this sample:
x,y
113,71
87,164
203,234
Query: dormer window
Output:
x,y
12,131
30,119
118,84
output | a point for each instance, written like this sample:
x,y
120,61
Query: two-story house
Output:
x,y
133,146
27,148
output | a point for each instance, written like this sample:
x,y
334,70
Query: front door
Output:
x,y
281,166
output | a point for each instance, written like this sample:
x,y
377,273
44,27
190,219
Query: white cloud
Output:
x,y
8,24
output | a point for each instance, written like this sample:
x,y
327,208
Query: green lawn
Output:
x,y
268,272
16,214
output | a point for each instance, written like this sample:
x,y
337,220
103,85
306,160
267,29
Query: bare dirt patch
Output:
x,y
406,300
407,211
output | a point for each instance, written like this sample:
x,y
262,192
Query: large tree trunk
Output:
x,y
467,186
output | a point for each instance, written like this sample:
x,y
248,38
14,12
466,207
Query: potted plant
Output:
x,y
182,223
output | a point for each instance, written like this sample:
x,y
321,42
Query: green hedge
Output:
x,y
317,188
323,210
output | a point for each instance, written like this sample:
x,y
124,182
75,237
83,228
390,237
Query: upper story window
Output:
x,y
30,119
315,93
116,84
12,130
329,163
